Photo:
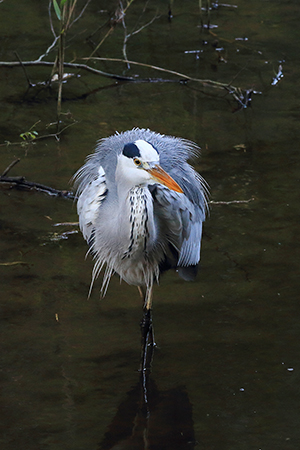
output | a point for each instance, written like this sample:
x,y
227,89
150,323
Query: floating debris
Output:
x,y
240,147
208,26
13,263
243,97
65,77
278,76
57,237
216,5
193,51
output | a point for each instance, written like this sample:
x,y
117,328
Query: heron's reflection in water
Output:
x,y
148,419
164,424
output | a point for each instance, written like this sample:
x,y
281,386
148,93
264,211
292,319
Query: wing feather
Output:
x,y
180,223
91,194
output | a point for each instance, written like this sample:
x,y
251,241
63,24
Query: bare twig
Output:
x,y
14,263
49,49
100,43
200,12
118,17
50,17
81,13
231,202
124,49
173,72
143,26
8,168
64,224
182,77
128,35
56,38
75,66
36,138
22,183
61,60
24,70
53,32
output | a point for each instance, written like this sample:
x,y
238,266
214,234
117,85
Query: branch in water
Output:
x,y
182,77
22,183
231,202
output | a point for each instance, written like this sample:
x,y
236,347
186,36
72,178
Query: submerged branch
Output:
x,y
23,184
66,64
182,77
243,97
231,202
9,167
172,72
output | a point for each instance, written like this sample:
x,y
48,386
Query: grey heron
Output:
x,y
141,206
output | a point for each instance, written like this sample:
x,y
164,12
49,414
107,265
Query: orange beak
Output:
x,y
162,177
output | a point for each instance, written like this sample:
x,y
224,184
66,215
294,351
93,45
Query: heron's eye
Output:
x,y
137,161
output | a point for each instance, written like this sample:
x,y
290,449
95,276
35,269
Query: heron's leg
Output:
x,y
148,298
147,319
141,292
148,342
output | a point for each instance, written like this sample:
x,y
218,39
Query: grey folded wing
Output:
x,y
180,224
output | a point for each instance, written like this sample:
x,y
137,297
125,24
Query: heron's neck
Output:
x,y
139,217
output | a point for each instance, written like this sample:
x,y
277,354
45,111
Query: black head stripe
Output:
x,y
131,151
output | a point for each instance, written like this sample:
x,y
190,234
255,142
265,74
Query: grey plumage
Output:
x,y
139,229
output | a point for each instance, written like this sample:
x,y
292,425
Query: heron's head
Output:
x,y
138,164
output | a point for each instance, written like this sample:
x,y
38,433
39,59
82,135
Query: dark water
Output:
x,y
226,372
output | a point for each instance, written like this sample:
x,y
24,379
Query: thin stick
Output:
x,y
200,12
81,13
182,76
231,202
22,183
77,66
160,69
8,168
46,136
24,70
